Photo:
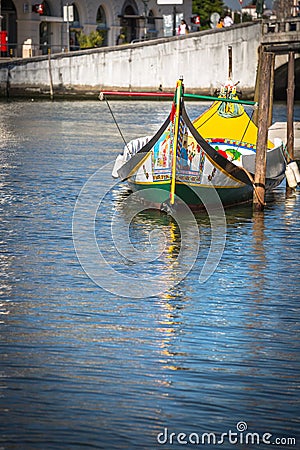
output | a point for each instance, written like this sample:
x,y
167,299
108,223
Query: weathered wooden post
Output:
x,y
258,86
262,138
230,62
50,74
270,118
290,114
257,81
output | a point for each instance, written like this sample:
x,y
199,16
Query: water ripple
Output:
x,y
81,368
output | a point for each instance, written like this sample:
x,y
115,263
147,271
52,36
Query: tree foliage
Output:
x,y
94,39
204,8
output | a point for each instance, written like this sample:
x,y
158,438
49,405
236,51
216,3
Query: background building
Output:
x,y
33,28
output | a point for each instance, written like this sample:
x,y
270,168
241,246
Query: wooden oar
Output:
x,y
171,95
220,99
134,94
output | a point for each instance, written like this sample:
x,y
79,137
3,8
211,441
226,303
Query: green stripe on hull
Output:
x,y
157,193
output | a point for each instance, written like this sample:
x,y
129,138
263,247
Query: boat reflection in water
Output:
x,y
172,244
153,242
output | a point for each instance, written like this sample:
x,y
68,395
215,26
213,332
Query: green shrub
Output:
x,y
94,39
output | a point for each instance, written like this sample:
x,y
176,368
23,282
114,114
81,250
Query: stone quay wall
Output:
x,y
203,60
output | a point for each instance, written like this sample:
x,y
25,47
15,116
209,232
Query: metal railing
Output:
x,y
27,51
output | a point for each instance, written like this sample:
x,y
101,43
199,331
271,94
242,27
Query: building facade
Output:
x,y
34,28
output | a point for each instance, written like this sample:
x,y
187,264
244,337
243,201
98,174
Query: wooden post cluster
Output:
x,y
263,116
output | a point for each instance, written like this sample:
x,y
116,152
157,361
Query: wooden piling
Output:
x,y
290,113
230,62
258,86
8,83
262,137
50,75
257,81
270,119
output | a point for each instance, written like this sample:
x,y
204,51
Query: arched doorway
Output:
x,y
45,31
102,25
75,28
281,80
128,22
8,28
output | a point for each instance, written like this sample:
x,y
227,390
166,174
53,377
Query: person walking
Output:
x,y
220,24
183,28
228,21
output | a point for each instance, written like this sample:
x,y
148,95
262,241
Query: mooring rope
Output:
x,y
254,185
101,98
249,121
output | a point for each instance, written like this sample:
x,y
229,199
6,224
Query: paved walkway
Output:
x,y
278,129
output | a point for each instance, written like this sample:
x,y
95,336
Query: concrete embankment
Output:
x,y
202,59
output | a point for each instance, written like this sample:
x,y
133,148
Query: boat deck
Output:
x,y
278,129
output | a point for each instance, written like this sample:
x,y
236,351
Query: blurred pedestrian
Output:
x,y
228,21
121,39
220,24
183,28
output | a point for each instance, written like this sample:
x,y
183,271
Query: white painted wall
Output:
x,y
201,58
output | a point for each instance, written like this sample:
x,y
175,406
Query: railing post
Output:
x,y
265,28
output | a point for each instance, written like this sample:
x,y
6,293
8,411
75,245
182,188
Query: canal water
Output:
x,y
95,363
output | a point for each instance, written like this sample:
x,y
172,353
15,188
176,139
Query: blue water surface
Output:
x,y
82,367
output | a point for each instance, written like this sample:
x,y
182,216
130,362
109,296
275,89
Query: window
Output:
x,y
128,22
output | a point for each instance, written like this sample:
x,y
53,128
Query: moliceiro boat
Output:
x,y
194,160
